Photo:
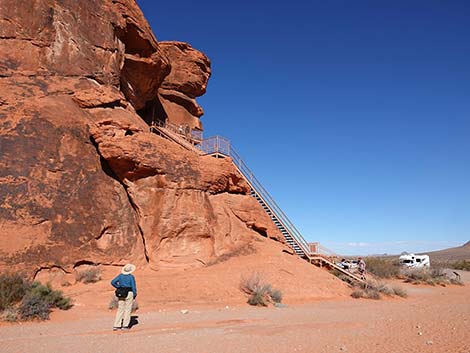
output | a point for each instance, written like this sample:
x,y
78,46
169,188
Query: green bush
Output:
x,y
54,298
34,307
89,275
13,288
39,300
21,299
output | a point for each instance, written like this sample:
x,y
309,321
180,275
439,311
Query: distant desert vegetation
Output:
x,y
456,258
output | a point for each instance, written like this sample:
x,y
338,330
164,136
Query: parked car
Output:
x,y
348,264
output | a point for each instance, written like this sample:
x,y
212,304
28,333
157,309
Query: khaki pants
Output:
x,y
123,314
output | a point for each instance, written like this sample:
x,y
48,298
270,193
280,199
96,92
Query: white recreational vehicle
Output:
x,y
416,261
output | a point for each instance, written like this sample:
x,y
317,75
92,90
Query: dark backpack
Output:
x,y
122,292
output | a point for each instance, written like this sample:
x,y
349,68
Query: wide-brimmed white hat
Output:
x,y
128,269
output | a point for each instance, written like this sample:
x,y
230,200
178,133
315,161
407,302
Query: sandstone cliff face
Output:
x,y
82,180
187,80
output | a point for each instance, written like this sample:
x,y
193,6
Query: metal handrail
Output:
x,y
325,251
222,146
193,136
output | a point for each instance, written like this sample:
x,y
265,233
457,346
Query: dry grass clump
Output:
x,y
375,290
431,277
463,265
276,295
366,293
13,287
399,292
456,281
260,293
24,300
89,275
113,304
382,268
9,315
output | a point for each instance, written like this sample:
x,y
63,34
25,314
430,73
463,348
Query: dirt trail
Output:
x,y
432,319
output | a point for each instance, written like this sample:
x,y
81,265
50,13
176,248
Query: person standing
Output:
x,y
362,268
125,281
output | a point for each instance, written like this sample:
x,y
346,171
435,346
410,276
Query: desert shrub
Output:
x,y
10,314
399,292
22,300
276,296
369,293
54,298
113,304
383,268
373,290
34,307
385,289
89,275
260,293
13,287
259,298
456,281
439,275
436,276
460,265
358,293
251,284
372,294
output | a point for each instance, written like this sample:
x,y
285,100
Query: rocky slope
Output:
x,y
82,179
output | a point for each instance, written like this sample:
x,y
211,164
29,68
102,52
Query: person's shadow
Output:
x,y
134,321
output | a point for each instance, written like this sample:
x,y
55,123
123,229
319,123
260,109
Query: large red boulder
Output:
x,y
82,179
188,78
190,69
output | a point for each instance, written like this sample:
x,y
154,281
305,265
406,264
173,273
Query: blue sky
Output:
x,y
355,115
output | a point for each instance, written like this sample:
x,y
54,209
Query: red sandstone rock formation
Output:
x,y
82,180
187,80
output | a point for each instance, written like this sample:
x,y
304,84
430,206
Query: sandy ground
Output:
x,y
431,319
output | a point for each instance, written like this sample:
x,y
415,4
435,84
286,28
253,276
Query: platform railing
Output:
x,y
194,136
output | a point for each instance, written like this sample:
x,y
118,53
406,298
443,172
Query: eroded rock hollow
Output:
x,y
82,178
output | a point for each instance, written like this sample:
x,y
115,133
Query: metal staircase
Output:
x,y
177,134
220,147
321,256
289,240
